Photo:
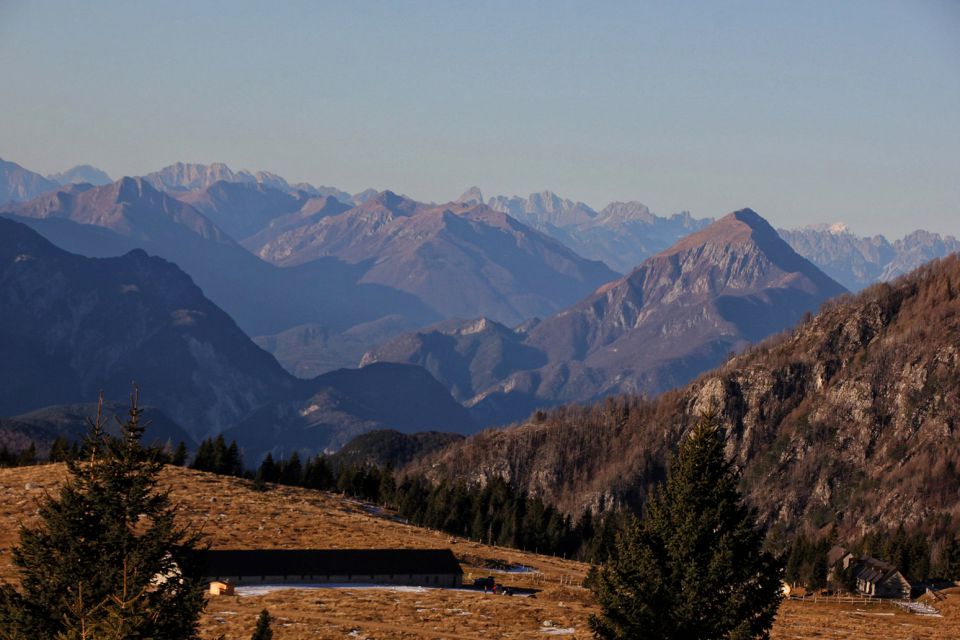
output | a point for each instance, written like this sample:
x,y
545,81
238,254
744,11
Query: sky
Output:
x,y
807,112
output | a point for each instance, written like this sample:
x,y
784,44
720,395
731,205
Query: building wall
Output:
x,y
417,580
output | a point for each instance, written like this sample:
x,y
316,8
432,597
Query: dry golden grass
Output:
x,y
234,516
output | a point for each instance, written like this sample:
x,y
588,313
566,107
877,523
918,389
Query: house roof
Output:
x,y
873,570
296,562
836,554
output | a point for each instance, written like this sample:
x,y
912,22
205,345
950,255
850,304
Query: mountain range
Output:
x,y
857,262
72,326
489,305
846,423
622,234
129,214
680,312
461,260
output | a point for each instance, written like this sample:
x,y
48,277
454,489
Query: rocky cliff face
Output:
x,y
851,419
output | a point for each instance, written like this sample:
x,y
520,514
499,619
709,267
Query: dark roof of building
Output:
x,y
297,562
836,554
874,570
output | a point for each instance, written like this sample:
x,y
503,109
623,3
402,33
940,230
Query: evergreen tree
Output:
x,y
268,471
263,631
7,459
106,559
60,450
232,462
291,471
179,458
318,474
951,559
203,460
28,456
694,567
219,463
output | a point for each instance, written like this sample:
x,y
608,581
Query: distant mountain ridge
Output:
x,y
622,235
462,260
857,262
82,173
113,219
185,176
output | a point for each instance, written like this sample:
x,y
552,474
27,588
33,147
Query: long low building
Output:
x,y
414,567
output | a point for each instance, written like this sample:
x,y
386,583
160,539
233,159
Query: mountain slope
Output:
x,y
348,402
242,208
468,357
128,214
677,314
18,184
461,260
850,419
72,326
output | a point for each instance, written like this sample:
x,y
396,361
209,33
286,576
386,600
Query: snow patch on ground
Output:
x,y
515,568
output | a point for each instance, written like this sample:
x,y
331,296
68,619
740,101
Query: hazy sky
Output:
x,y
806,111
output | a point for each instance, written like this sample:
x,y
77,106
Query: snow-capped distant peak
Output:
x,y
835,228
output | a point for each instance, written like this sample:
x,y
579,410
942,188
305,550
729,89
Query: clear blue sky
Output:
x,y
806,111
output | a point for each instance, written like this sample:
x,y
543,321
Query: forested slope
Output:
x,y
851,418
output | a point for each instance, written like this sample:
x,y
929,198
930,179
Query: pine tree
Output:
x,y
694,566
263,631
179,455
60,450
291,471
268,471
203,460
28,456
232,462
106,559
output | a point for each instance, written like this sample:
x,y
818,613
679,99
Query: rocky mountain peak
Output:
x,y
82,173
471,196
624,212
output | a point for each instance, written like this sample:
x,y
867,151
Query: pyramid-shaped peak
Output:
x,y
748,216
743,225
